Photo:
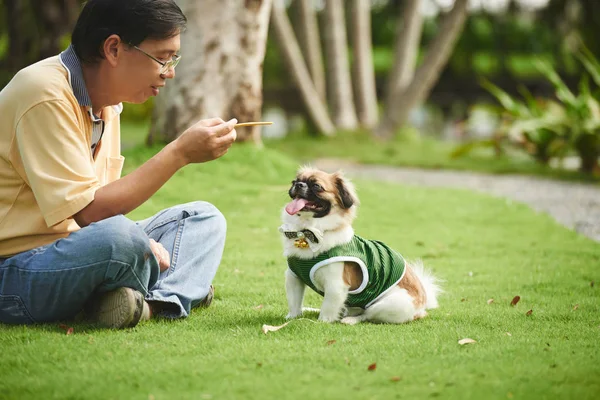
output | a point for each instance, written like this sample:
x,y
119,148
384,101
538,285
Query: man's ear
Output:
x,y
111,49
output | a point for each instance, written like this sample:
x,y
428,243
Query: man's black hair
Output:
x,y
133,20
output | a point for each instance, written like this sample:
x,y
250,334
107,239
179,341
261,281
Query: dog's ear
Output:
x,y
346,193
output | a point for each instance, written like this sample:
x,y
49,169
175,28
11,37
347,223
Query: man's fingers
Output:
x,y
228,139
211,122
225,128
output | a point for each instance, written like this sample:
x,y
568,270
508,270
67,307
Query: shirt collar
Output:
x,y
71,62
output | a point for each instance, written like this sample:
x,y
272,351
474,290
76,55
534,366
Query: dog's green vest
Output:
x,y
382,268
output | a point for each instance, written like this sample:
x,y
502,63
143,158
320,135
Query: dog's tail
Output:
x,y
430,283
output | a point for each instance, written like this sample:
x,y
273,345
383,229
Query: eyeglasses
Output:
x,y
165,65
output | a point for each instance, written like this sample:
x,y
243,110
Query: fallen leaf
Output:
x,y
508,334
490,301
575,307
466,341
515,300
395,379
509,395
419,243
528,313
68,329
258,307
372,367
330,342
463,299
269,328
592,283
259,364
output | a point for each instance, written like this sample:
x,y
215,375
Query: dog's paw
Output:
x,y
311,310
351,320
293,315
327,319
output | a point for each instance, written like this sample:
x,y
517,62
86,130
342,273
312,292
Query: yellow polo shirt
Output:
x,y
48,170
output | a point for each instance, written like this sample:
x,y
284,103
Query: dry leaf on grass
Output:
x,y
592,283
270,328
330,342
466,341
68,330
395,379
258,307
528,313
490,301
575,307
515,300
508,334
372,367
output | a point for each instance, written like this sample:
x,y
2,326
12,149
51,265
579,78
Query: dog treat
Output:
x,y
252,124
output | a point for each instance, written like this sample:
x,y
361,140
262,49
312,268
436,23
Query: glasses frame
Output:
x,y
165,65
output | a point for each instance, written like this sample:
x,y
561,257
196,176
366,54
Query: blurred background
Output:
x,y
491,85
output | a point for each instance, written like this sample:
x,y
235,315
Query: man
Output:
x,y
64,242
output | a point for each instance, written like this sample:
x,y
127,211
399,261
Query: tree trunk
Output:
x,y
293,58
307,28
338,70
220,73
403,101
364,74
408,37
54,18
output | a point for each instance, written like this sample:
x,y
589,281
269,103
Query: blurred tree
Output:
x,y
403,99
292,56
220,73
36,29
363,70
307,31
340,95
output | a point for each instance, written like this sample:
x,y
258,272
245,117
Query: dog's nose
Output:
x,y
300,186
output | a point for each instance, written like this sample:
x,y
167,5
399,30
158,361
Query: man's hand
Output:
x,y
161,254
206,140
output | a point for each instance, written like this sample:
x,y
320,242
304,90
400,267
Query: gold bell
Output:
x,y
301,243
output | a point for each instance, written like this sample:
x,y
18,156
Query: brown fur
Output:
x,y
353,276
413,286
328,183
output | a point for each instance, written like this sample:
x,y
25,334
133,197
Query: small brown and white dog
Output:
x,y
360,280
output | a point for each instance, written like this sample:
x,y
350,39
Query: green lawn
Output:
x,y
482,247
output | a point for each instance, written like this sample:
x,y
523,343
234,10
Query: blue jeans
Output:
x,y
54,282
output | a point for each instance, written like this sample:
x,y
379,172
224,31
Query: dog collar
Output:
x,y
303,238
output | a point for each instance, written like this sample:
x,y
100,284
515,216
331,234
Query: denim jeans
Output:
x,y
54,282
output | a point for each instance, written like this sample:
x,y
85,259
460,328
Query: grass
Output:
x,y
482,247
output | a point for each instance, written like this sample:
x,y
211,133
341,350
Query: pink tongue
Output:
x,y
295,205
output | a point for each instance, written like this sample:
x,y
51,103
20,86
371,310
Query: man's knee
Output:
x,y
123,238
209,214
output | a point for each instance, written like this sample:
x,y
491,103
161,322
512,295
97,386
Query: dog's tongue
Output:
x,y
295,205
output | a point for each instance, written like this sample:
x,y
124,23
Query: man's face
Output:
x,y
139,76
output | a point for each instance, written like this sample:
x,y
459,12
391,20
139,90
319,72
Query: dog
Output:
x,y
360,280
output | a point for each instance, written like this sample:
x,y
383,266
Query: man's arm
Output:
x,y
204,141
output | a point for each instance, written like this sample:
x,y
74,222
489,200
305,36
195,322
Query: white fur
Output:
x,y
395,306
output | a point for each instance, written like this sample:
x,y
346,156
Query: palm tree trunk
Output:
x,y
403,101
292,56
307,28
338,70
364,74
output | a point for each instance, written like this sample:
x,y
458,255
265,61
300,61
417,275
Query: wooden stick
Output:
x,y
252,124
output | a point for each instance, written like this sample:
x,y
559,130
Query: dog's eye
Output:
x,y
317,188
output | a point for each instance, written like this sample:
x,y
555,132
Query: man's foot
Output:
x,y
121,308
209,297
